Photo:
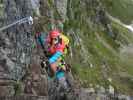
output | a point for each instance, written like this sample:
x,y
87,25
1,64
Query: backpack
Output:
x,y
66,41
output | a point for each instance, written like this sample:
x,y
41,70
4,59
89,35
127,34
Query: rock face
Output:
x,y
19,61
24,98
15,42
35,83
17,38
35,6
61,7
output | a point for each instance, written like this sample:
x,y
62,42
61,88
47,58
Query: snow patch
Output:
x,y
130,27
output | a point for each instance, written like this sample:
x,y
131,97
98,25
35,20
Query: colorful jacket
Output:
x,y
57,50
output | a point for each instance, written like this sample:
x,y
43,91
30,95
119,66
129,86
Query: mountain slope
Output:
x,y
100,56
96,54
96,42
121,9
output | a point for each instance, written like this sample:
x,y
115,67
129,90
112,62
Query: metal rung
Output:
x,y
21,21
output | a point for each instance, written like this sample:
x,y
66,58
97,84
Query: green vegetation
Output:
x,y
101,49
121,9
18,88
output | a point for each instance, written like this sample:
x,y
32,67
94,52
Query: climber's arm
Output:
x,y
55,57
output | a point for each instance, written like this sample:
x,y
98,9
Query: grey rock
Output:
x,y
16,38
7,91
124,97
61,6
36,5
24,97
86,95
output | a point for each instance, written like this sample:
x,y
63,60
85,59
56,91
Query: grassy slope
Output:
x,y
121,9
101,49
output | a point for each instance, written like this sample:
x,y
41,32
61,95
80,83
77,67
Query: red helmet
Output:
x,y
54,33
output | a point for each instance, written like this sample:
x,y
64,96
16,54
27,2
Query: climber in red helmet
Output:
x,y
56,48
